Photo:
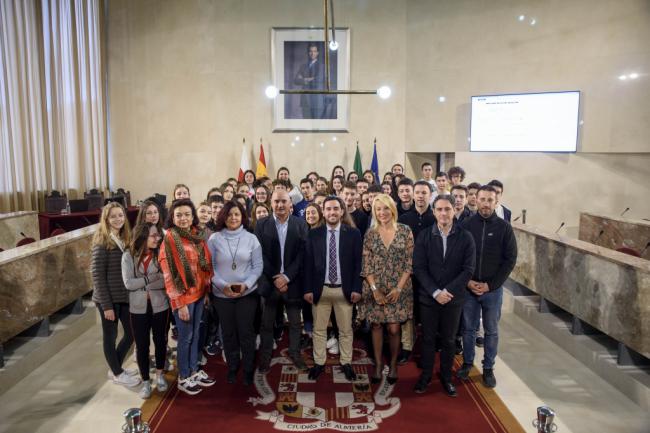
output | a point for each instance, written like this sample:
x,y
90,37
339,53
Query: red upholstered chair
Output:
x,y
25,241
628,250
57,232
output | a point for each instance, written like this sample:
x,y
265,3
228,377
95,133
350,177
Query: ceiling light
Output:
x,y
384,92
622,77
533,22
334,45
322,144
271,92
293,144
634,75
297,138
441,99
522,17
334,138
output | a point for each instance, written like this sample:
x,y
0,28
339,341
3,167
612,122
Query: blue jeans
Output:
x,y
188,349
489,304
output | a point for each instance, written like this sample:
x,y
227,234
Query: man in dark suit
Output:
x,y
311,76
333,281
443,262
282,237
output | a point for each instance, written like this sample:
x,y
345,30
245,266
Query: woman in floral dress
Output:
x,y
387,298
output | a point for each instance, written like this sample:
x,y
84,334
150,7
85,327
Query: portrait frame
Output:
x,y
291,62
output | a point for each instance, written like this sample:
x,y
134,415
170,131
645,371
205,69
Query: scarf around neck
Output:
x,y
176,249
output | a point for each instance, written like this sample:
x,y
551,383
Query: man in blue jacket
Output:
x,y
496,255
333,281
443,263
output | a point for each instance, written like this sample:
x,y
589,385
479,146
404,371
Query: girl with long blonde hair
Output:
x,y
109,292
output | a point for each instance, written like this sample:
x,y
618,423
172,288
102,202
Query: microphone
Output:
x,y
599,235
626,209
561,225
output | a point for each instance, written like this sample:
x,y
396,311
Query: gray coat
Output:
x,y
138,288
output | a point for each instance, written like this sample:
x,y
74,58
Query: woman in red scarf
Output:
x,y
186,264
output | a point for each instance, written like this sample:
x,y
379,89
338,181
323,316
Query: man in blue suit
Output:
x,y
333,281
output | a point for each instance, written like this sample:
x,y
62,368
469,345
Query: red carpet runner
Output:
x,y
285,400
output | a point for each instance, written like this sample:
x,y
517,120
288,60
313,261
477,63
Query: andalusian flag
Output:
x,y
261,164
244,165
358,168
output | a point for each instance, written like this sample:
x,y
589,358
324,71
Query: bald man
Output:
x,y
282,237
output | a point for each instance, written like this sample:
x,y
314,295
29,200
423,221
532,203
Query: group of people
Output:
x,y
328,256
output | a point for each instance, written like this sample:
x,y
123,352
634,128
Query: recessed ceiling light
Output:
x,y
334,138
322,144
441,99
522,17
634,75
297,138
622,77
533,22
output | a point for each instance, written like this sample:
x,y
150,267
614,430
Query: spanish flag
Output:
x,y
261,164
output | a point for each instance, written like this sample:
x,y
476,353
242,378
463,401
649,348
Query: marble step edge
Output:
x,y
24,354
591,351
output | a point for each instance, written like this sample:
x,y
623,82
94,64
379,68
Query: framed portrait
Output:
x,y
298,62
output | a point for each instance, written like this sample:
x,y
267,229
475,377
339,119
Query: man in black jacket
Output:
x,y
443,263
496,255
333,281
419,218
282,237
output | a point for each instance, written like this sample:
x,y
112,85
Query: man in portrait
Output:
x,y
311,76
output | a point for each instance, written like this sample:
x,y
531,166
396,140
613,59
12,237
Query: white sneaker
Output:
x,y
126,380
189,386
203,360
202,379
145,391
334,350
161,383
129,371
332,342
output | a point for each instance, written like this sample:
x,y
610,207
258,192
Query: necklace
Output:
x,y
233,256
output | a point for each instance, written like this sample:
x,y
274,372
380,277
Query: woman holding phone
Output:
x,y
237,261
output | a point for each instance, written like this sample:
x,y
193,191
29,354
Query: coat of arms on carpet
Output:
x,y
295,403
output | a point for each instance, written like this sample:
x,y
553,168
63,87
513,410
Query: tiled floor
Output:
x,y
70,393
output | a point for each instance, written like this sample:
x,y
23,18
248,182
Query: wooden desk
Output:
x,y
47,222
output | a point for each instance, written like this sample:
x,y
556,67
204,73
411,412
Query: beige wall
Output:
x,y
555,188
462,48
186,81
